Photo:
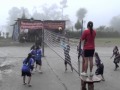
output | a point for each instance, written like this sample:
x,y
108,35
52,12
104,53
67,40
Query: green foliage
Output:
x,y
115,23
78,25
100,34
103,31
108,34
23,14
73,34
7,34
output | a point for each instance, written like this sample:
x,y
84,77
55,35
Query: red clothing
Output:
x,y
89,40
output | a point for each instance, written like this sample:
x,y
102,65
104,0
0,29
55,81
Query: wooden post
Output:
x,y
91,86
83,85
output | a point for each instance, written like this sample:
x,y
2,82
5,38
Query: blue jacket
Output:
x,y
38,54
33,52
27,65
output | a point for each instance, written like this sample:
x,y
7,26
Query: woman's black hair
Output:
x,y
33,47
28,58
97,56
90,26
37,47
116,48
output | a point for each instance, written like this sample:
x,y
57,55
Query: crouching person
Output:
x,y
100,66
26,69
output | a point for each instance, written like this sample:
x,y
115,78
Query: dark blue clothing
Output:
x,y
98,61
25,68
100,67
38,54
33,52
27,65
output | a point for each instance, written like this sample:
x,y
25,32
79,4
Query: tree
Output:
x,y
14,14
49,13
0,33
7,34
52,12
101,28
81,13
63,4
115,23
24,16
78,25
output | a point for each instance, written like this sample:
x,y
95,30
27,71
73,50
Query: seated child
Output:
x,y
100,66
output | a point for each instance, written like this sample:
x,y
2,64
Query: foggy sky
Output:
x,y
99,11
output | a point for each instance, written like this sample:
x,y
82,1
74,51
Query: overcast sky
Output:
x,y
99,11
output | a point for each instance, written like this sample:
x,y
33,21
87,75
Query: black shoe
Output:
x,y
65,69
24,83
29,85
115,69
117,66
72,69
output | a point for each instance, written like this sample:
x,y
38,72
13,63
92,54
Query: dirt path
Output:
x,y
53,77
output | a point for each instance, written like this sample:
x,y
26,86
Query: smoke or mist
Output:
x,y
81,13
63,2
115,23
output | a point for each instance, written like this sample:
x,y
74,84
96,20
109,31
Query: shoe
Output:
x,y
40,71
29,85
24,83
115,69
35,70
65,69
91,74
84,74
117,66
72,69
103,79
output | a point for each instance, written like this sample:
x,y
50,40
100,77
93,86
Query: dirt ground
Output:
x,y
53,77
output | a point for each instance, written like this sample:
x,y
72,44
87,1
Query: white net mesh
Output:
x,y
58,43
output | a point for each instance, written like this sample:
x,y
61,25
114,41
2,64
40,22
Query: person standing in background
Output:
x,y
38,56
116,58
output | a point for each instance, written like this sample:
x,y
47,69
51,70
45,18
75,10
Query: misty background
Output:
x,y
104,13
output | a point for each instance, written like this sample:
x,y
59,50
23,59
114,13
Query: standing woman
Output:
x,y
88,37
38,56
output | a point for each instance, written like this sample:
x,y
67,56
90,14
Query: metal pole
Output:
x,y
43,42
80,50
62,13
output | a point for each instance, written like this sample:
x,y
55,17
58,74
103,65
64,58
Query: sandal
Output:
x,y
29,85
24,83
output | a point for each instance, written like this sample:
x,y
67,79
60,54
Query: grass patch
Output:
x,y
102,42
